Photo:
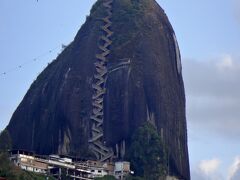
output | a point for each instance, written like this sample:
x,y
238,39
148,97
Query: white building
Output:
x,y
55,164
122,169
26,161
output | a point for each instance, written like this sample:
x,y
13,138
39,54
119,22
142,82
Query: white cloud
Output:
x,y
234,170
213,108
212,93
197,175
207,170
209,166
225,63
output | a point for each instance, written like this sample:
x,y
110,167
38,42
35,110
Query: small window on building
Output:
x,y
99,171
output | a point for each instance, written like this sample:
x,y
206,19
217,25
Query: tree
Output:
x,y
147,153
5,141
5,165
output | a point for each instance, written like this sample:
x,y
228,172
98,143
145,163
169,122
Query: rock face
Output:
x,y
54,116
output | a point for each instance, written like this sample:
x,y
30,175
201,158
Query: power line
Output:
x,y
33,60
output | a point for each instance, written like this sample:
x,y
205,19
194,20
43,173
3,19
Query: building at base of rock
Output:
x,y
71,168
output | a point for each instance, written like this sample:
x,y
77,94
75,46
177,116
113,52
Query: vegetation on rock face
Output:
x,y
147,153
97,10
127,15
5,141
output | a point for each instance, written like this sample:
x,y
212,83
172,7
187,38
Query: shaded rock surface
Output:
x,y
54,115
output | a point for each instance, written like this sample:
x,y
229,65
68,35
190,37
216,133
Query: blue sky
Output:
x,y
208,33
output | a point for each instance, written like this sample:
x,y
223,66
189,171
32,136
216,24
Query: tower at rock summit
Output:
x,y
122,69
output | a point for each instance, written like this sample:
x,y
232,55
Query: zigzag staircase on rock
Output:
x,y
96,142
